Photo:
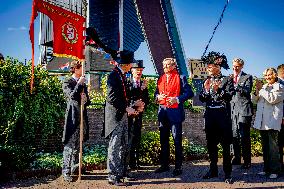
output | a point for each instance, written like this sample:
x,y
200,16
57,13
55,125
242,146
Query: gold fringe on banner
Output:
x,y
67,56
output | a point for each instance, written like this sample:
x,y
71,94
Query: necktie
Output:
x,y
137,83
235,79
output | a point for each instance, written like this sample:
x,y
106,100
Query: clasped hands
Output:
x,y
258,86
170,100
139,107
215,85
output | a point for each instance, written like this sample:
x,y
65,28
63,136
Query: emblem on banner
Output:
x,y
70,33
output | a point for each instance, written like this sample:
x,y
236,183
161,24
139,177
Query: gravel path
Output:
x,y
191,178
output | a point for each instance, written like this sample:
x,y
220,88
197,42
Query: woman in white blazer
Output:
x,y
269,113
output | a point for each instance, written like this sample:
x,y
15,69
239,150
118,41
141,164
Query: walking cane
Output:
x,y
81,128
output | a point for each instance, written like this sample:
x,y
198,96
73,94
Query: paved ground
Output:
x,y
191,178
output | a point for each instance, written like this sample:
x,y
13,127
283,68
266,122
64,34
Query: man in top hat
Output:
x,y
241,112
171,93
138,91
217,93
116,111
74,89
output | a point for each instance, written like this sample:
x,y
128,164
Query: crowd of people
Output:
x,y
228,115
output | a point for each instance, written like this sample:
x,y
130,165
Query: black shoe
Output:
x,y
162,169
130,178
210,174
228,179
67,177
133,167
177,172
236,161
116,182
246,166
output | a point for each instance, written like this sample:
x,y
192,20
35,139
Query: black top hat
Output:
x,y
137,64
1,57
124,57
216,58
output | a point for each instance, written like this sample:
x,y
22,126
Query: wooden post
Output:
x,y
81,128
84,13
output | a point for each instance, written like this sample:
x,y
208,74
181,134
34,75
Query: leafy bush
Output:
x,y
25,117
15,158
48,161
194,150
256,147
98,97
150,148
152,108
93,155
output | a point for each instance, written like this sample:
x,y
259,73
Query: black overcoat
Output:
x,y
116,101
72,91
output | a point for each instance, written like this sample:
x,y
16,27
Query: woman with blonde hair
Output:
x,y
269,98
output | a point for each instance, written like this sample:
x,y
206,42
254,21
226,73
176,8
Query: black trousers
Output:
x,y
218,129
176,129
134,137
270,149
242,143
281,144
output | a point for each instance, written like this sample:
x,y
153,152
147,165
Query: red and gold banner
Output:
x,y
68,30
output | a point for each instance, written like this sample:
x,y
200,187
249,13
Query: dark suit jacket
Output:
x,y
72,91
241,101
222,97
116,102
176,115
135,93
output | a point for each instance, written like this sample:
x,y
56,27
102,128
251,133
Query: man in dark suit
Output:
x,y
138,91
217,93
171,93
74,89
241,112
116,111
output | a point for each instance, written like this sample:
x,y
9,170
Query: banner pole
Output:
x,y
81,128
85,4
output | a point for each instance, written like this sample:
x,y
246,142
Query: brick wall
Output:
x,y
192,127
192,130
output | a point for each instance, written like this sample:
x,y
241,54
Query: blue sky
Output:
x,y
251,29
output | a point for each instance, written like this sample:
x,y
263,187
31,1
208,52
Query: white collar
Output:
x,y
74,77
275,85
120,69
240,74
134,80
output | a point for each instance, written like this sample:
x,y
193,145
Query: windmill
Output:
x,y
123,25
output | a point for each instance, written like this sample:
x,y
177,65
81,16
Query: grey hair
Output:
x,y
270,69
173,61
239,60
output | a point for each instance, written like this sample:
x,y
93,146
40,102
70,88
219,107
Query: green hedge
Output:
x,y
28,117
149,152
